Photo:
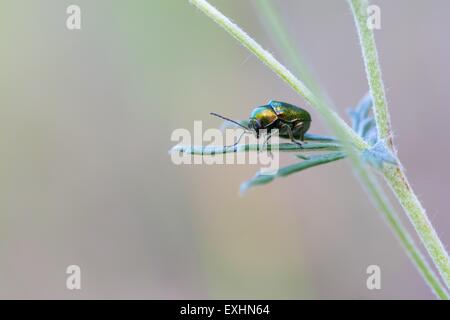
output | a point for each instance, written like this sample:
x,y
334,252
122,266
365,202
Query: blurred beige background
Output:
x,y
85,124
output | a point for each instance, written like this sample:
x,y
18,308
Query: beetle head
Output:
x,y
255,125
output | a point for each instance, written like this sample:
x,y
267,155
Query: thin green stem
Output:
x,y
395,176
313,161
373,70
329,115
399,184
343,132
290,147
381,202
275,26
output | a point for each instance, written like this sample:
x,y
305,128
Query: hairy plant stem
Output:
x,y
373,70
329,115
399,184
274,25
395,176
381,202
352,142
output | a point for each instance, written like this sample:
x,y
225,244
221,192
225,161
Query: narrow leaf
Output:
x,y
379,154
212,150
313,161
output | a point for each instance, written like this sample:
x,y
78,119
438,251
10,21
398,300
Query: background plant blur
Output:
x,y
85,124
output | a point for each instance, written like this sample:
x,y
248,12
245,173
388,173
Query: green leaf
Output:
x,y
363,123
212,150
313,161
379,154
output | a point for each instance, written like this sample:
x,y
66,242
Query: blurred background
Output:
x,y
85,123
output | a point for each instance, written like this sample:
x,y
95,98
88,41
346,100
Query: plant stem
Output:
x,y
332,118
343,131
373,70
274,25
381,202
261,179
399,184
395,176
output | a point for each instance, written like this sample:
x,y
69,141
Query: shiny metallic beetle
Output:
x,y
292,122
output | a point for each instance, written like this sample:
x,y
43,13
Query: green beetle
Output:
x,y
292,122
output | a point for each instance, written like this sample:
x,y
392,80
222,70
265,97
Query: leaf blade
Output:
x,y
261,179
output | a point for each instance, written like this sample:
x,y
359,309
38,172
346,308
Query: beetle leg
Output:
x,y
291,135
266,143
235,144
302,131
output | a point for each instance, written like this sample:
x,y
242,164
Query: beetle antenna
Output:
x,y
229,120
236,143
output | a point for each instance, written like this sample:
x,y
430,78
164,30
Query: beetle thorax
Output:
x,y
263,117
